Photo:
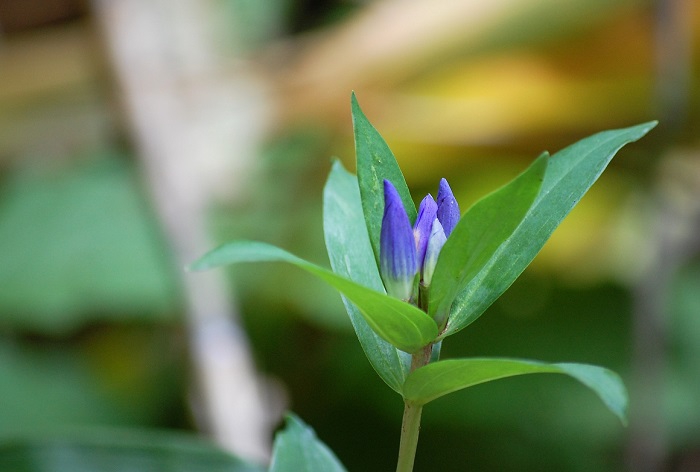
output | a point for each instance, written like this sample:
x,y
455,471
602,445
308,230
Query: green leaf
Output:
x,y
440,378
350,254
570,173
297,449
48,384
399,323
78,246
89,450
479,234
376,162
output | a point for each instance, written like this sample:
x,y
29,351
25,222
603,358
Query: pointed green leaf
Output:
x,y
376,162
399,323
570,173
479,233
350,254
440,378
297,449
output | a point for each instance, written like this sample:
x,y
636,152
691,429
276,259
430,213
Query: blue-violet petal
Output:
x,y
448,209
427,212
397,253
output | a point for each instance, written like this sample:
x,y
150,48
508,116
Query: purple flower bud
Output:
x,y
448,209
427,212
397,254
435,242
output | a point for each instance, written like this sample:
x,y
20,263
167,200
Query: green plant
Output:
x,y
409,280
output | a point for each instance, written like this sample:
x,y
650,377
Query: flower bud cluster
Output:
x,y
407,251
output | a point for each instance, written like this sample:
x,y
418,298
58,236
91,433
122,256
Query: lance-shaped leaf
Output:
x,y
569,175
479,234
298,449
350,254
440,378
399,323
376,162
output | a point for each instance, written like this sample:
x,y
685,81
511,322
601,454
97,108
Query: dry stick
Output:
x,y
168,73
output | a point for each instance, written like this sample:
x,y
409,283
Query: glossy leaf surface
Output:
x,y
297,449
350,254
479,234
440,378
399,323
569,175
376,162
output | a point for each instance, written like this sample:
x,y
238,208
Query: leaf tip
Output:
x,y
644,128
291,418
356,112
623,419
542,162
336,164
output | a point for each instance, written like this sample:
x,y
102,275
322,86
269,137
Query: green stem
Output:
x,y
410,426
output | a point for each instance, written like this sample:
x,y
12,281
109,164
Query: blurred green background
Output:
x,y
135,135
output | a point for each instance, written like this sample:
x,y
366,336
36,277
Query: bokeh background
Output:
x,y
137,134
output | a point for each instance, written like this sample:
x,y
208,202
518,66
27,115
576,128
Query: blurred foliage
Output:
x,y
119,377
88,294
255,23
80,244
291,164
116,450
683,378
90,325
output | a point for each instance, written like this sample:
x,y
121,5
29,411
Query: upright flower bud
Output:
x,y
427,212
448,209
397,253
435,242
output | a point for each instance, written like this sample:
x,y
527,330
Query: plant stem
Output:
x,y
410,426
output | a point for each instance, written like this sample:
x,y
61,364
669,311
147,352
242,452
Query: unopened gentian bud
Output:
x,y
448,209
427,212
435,242
397,253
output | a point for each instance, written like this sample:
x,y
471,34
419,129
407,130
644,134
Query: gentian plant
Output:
x,y
409,279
